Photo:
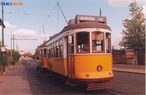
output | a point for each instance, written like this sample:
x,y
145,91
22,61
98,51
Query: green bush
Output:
x,y
15,57
7,57
4,60
13,62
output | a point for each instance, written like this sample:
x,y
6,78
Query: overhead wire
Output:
x,y
47,19
21,19
29,14
23,16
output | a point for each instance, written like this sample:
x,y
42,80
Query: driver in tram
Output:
x,y
86,46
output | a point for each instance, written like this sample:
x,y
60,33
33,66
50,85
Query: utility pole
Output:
x,y
13,42
100,11
3,47
3,40
11,45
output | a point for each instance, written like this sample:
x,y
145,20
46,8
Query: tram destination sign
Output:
x,y
80,18
88,18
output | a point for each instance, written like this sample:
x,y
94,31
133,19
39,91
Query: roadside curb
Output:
x,y
128,66
143,73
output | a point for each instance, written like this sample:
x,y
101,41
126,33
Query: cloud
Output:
x,y
25,33
9,26
123,2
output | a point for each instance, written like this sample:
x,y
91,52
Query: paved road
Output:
x,y
129,83
20,79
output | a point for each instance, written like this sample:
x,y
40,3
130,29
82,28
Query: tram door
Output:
x,y
70,57
44,59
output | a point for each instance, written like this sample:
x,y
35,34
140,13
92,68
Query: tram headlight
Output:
x,y
99,68
87,75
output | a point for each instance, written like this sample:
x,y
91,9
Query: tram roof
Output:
x,y
42,45
82,25
84,21
86,25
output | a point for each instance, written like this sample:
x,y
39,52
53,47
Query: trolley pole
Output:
x,y
3,64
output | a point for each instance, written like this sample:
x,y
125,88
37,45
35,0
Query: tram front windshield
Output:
x,y
97,43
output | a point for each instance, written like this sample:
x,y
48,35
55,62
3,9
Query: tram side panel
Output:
x,y
59,65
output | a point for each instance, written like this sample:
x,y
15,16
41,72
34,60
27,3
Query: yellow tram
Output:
x,y
40,55
82,52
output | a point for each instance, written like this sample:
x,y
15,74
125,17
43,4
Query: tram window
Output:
x,y
80,48
97,41
57,51
51,53
108,42
60,42
54,52
71,46
83,42
54,45
41,53
48,51
51,45
45,53
60,51
57,43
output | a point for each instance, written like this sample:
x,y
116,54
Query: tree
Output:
x,y
134,33
7,57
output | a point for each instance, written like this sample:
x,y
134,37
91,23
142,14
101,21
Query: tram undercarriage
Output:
x,y
90,85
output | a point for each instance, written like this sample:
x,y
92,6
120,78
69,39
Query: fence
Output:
x,y
141,57
129,57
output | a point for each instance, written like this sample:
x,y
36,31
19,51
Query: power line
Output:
x,y
28,14
25,14
25,39
21,21
22,17
48,17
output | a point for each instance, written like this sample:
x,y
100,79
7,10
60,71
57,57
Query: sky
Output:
x,y
38,17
